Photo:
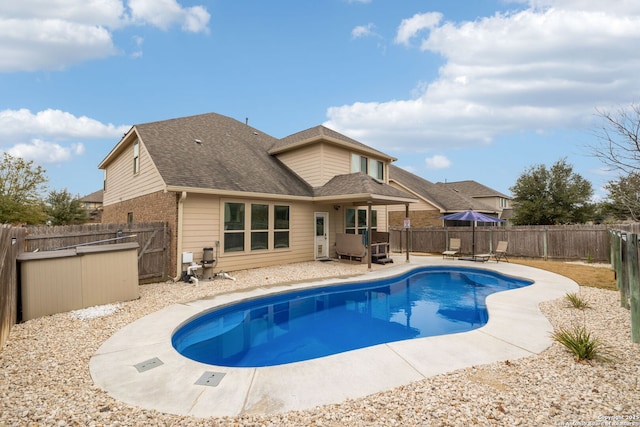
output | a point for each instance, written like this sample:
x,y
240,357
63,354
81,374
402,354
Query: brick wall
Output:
x,y
159,206
422,218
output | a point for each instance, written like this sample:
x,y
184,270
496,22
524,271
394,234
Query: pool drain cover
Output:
x,y
148,364
211,379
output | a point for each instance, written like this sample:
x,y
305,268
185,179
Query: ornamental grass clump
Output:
x,y
576,301
582,344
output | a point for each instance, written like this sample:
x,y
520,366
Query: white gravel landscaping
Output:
x,y
45,379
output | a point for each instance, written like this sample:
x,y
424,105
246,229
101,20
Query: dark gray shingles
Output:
x,y
212,151
473,189
359,183
444,197
317,132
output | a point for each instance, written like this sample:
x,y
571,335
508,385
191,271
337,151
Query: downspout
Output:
x,y
183,196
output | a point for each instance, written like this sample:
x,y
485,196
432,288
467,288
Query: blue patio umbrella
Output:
x,y
473,216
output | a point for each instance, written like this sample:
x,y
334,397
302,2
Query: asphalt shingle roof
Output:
x,y
358,183
318,132
473,188
212,151
215,151
445,197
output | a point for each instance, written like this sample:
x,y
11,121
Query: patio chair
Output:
x,y
454,249
501,251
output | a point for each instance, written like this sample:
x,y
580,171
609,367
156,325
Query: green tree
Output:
x,y
555,195
63,209
22,185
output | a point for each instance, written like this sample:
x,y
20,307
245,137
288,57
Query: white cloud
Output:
x,y
165,13
50,136
411,27
363,31
51,35
533,70
44,152
53,123
437,162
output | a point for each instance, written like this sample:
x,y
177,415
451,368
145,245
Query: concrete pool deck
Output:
x,y
139,366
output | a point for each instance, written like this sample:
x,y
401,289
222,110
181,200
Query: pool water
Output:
x,y
312,323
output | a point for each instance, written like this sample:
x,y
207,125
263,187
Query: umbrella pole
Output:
x,y
473,238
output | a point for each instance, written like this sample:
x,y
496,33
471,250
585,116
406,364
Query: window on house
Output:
x,y
377,169
136,157
234,227
104,180
130,218
373,167
359,163
356,221
259,227
281,227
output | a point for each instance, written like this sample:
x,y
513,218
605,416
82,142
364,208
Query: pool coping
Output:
x,y
139,366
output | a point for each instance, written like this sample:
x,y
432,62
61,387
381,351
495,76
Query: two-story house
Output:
x,y
254,199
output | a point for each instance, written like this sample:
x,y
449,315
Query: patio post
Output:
x,y
406,215
369,235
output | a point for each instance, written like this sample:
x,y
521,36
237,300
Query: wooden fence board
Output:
x,y
152,238
586,242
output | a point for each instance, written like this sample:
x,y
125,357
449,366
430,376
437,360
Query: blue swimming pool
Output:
x,y
317,322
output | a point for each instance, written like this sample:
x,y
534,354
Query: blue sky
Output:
x,y
454,89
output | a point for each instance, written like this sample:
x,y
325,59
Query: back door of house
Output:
x,y
322,241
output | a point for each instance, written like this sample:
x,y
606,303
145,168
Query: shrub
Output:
x,y
582,344
576,301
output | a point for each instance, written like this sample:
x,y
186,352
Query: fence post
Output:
x,y
624,277
634,285
545,253
616,259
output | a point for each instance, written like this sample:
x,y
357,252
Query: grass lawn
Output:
x,y
583,274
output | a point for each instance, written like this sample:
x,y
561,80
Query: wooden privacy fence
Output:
x,y
11,243
563,242
152,239
624,256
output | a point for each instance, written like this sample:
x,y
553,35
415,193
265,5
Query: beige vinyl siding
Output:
x,y
203,225
318,163
335,161
122,184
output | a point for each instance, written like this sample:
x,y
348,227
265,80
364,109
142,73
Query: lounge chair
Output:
x,y
498,254
501,251
454,249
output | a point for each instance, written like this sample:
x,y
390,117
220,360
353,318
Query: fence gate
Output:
x,y
152,238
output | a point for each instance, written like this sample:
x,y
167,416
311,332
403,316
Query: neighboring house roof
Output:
x,y
474,189
317,133
95,197
445,198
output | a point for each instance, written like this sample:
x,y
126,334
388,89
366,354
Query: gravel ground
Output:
x,y
45,380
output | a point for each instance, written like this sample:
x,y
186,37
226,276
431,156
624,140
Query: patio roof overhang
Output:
x,y
360,189
362,199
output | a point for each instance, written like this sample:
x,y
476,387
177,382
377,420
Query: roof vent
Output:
x,y
197,141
